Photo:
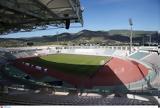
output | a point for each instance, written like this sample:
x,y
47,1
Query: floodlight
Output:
x,y
130,21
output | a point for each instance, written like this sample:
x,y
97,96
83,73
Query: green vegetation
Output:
x,y
82,65
136,33
111,37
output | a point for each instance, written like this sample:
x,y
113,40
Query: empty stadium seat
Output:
x,y
139,55
41,99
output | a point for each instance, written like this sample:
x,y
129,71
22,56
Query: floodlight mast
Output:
x,y
131,34
150,40
57,38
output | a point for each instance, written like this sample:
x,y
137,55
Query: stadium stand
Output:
x,y
18,77
95,51
139,55
2,58
41,99
24,54
151,59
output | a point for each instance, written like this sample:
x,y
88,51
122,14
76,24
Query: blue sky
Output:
x,y
111,14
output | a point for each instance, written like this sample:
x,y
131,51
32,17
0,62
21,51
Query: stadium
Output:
x,y
76,75
83,70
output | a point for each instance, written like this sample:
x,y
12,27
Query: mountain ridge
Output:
x,y
111,37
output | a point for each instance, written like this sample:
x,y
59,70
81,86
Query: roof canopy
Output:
x,y
26,15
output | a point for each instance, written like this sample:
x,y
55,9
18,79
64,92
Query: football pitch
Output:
x,y
80,65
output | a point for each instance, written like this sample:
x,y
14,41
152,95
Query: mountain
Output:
x,y
135,33
111,37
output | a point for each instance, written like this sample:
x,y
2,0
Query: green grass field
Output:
x,y
81,65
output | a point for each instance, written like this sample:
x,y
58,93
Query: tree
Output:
x,y
30,43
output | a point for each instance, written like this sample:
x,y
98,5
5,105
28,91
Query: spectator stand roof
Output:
x,y
26,15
